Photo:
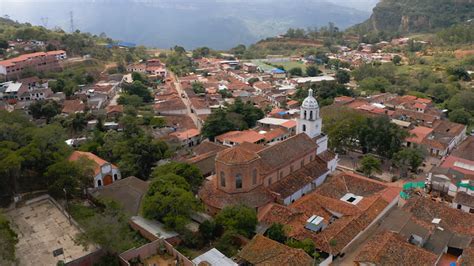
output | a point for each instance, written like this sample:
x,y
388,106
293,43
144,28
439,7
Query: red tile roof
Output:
x,y
236,155
262,251
419,134
73,106
241,137
388,248
97,161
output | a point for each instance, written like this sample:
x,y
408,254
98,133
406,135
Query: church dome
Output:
x,y
310,102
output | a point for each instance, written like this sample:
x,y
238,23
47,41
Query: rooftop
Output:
x,y
43,228
264,251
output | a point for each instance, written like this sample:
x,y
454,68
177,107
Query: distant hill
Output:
x,y
219,24
417,15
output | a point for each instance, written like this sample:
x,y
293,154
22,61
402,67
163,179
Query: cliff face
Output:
x,y
418,15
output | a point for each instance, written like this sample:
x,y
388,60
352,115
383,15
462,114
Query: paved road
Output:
x,y
186,100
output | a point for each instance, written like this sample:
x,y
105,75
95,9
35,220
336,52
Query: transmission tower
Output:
x,y
71,16
44,21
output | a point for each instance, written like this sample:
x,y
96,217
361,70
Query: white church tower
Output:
x,y
311,123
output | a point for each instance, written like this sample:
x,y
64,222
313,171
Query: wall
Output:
x,y
150,249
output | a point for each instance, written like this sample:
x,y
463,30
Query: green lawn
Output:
x,y
292,64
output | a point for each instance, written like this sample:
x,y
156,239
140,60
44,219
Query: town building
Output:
x,y
261,251
40,62
256,175
336,214
104,174
454,178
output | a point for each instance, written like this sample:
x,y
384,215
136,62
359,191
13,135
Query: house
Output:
x,y
262,87
439,140
389,248
255,176
278,73
140,68
73,107
128,192
39,61
262,251
335,214
114,111
172,106
314,80
200,106
233,138
188,138
104,174
455,177
444,233
250,68
214,257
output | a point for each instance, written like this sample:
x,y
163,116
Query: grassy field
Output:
x,y
292,64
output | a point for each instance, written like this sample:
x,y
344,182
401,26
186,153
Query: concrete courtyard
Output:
x,y
42,228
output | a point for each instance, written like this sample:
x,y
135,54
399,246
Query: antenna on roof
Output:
x,y
71,21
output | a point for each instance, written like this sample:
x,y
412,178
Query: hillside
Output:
x,y
417,15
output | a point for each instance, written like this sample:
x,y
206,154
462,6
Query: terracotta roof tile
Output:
x,y
236,155
387,248
264,251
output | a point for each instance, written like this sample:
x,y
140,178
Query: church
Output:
x,y
255,175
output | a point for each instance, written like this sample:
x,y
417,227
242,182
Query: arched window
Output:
x,y
238,181
115,177
254,177
310,115
222,179
304,114
99,183
304,128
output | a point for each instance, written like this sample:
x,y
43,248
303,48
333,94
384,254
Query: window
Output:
x,y
115,177
222,179
254,176
304,128
99,183
238,181
269,181
304,114
311,115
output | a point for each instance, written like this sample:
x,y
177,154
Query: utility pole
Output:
x,y
71,21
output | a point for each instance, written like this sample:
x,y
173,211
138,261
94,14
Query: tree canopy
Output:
x,y
240,219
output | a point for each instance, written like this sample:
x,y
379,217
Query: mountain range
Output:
x,y
219,24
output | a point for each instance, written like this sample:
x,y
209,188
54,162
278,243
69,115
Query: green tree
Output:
x,y
370,164
108,228
277,233
459,72
170,200
8,240
408,157
460,116
342,76
397,59
131,100
307,245
139,89
377,84
312,71
191,173
138,77
228,243
208,230
296,71
240,219
44,109
217,124
198,88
